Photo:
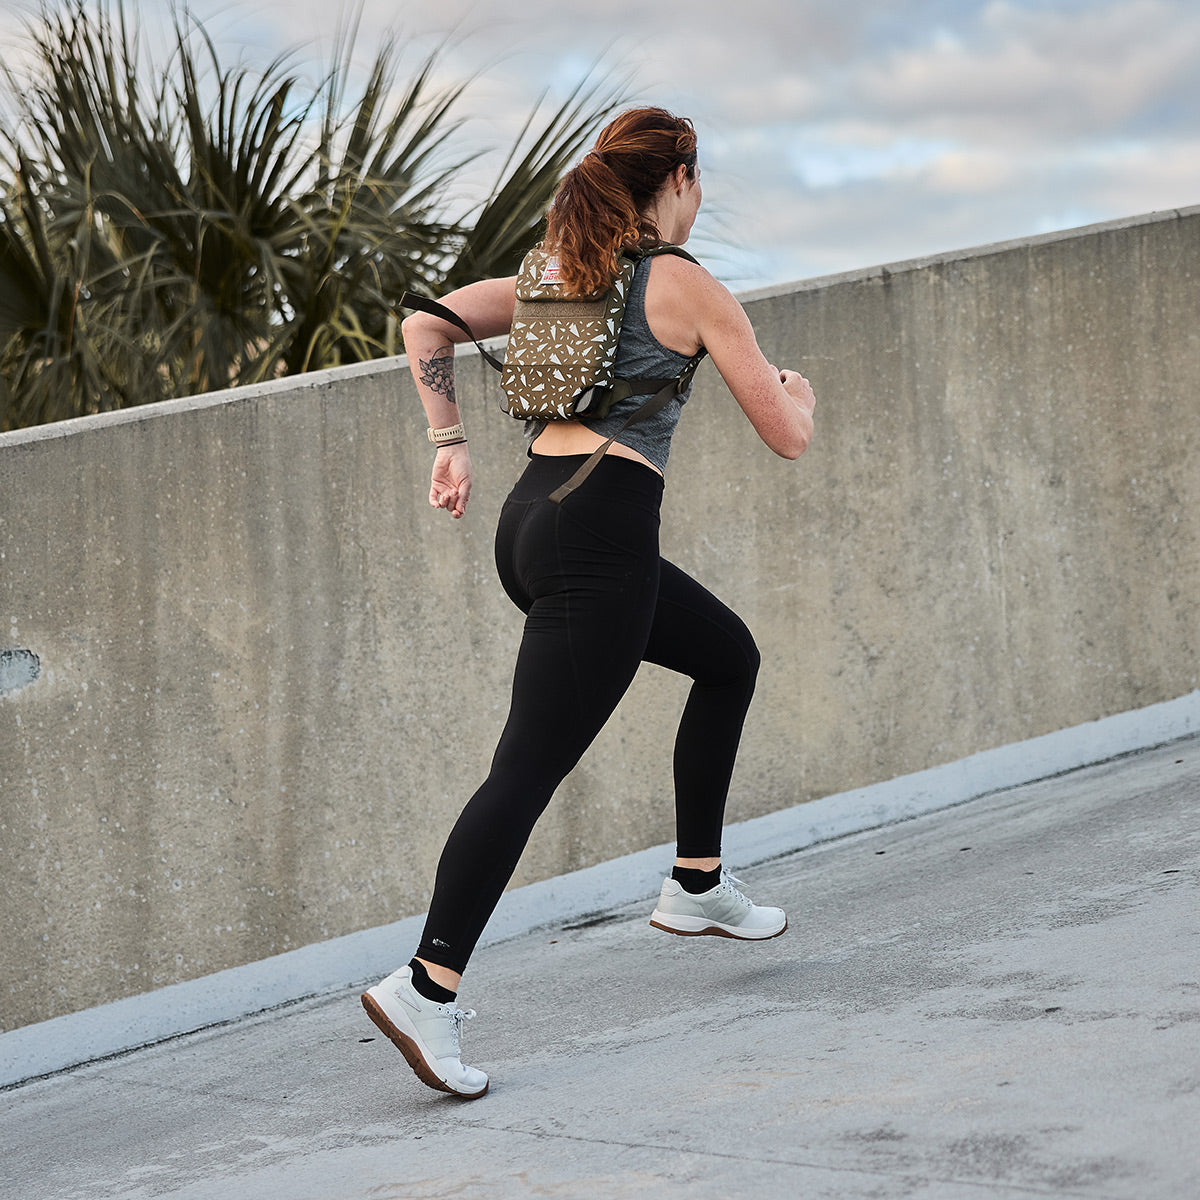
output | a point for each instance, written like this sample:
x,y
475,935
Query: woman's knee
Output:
x,y
735,657
745,662
753,658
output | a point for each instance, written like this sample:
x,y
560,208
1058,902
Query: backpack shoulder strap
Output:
x,y
434,309
640,252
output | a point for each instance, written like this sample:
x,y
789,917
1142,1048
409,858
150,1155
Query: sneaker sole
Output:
x,y
412,1052
659,921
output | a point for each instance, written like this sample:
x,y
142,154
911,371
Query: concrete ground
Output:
x,y
999,1000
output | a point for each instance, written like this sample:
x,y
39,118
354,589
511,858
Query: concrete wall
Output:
x,y
247,677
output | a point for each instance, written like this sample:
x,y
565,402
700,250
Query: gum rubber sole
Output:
x,y
716,931
409,1049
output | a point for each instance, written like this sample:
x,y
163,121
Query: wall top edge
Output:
x,y
904,266
309,381
315,380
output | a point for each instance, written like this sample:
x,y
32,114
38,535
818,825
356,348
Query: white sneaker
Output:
x,y
426,1033
721,911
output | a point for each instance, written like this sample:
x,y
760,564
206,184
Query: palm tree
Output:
x,y
223,226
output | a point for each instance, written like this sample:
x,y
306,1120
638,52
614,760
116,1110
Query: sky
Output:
x,y
834,134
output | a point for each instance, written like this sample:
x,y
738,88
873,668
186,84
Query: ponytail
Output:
x,y
600,205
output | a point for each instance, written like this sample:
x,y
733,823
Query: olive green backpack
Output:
x,y
560,362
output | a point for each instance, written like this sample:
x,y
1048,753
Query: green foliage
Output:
x,y
221,226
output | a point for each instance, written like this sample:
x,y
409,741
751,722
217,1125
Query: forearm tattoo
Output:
x,y
437,373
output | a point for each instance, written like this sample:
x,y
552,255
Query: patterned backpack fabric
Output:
x,y
562,353
560,363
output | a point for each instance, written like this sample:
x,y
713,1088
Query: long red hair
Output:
x,y
600,204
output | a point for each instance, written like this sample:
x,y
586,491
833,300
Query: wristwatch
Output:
x,y
449,436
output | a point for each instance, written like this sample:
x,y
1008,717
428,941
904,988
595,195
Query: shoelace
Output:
x,y
734,885
458,1018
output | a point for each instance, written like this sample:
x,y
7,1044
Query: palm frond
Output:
x,y
513,217
170,230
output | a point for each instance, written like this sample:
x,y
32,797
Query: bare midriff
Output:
x,y
572,437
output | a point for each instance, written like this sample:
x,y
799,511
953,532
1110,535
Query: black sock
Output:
x,y
696,881
425,986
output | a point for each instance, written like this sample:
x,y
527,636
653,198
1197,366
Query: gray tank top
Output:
x,y
640,355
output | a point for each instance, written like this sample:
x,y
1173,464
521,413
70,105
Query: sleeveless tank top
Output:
x,y
640,355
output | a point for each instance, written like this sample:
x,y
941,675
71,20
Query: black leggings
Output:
x,y
598,601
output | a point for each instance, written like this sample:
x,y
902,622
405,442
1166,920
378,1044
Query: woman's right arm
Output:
x,y
778,403
487,307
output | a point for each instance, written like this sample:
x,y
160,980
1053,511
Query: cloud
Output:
x,y
1016,74
833,134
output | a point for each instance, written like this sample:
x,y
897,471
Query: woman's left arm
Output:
x,y
487,307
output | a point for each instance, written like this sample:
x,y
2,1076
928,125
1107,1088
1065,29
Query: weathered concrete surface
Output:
x,y
996,1001
267,675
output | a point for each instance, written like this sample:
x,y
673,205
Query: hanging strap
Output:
x,y
669,389
434,309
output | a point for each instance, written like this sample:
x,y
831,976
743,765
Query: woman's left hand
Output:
x,y
450,487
